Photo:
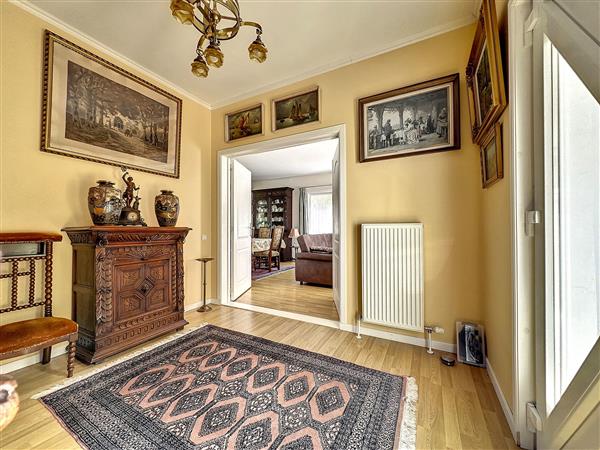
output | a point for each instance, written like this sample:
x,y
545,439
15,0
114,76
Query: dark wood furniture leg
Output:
x,y
71,357
46,355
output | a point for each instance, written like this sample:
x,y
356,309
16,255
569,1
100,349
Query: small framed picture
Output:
x,y
410,120
297,109
491,157
244,123
485,78
470,343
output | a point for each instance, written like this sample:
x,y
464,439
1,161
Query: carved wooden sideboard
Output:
x,y
127,286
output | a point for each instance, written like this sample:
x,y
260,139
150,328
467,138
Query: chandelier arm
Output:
x,y
200,44
224,34
252,24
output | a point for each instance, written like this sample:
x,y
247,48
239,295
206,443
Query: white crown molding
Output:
x,y
88,40
342,62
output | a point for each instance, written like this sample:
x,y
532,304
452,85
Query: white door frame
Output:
x,y
224,213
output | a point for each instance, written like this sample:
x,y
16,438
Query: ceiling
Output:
x,y
304,37
301,160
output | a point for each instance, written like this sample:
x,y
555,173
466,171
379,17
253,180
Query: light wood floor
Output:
x,y
284,293
457,407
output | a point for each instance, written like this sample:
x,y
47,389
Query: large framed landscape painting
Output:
x,y
420,118
96,111
244,123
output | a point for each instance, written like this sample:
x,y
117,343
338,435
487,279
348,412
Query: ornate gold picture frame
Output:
x,y
245,123
296,109
492,165
485,78
96,111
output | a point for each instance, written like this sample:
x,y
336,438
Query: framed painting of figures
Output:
x,y
485,79
297,109
244,123
96,111
420,118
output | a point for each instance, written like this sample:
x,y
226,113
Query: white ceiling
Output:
x,y
301,160
304,37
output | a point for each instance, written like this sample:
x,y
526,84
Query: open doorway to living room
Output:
x,y
283,250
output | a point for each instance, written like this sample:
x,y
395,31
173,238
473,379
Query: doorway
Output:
x,y
281,281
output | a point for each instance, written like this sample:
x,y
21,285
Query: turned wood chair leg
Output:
x,y
279,263
71,358
269,263
46,355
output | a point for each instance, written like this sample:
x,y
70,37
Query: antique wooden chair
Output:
x,y
21,251
272,257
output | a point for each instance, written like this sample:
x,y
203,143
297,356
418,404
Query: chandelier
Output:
x,y
217,20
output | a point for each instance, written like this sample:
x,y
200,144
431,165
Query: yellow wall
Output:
x,y
442,190
496,254
46,192
467,259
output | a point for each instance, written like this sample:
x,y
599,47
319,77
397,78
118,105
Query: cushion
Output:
x,y
309,241
321,249
29,333
266,253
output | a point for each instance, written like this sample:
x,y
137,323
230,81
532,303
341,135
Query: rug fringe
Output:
x,y
408,429
70,381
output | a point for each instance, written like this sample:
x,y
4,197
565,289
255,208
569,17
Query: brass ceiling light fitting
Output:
x,y
217,20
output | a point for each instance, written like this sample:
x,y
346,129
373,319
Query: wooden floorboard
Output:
x,y
457,407
282,292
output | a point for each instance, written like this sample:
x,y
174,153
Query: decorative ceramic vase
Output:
x,y
166,207
105,203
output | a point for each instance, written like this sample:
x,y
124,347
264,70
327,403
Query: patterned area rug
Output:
x,y
215,389
257,274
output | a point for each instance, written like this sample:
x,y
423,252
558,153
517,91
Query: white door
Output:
x,y
567,242
335,182
241,230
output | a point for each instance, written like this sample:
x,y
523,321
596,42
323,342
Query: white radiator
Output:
x,y
392,275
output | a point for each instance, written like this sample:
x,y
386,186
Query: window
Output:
x,y
575,206
320,211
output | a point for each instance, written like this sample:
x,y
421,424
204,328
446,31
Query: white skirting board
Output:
x,y
61,349
420,342
503,403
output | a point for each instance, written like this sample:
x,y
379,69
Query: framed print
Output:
x,y
244,123
297,109
470,344
485,79
491,157
421,118
96,111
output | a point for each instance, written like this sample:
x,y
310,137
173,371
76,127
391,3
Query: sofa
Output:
x,y
314,262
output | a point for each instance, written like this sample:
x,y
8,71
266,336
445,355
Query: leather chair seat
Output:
x,y
265,253
29,333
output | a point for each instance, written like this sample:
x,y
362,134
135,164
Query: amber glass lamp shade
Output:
x,y
182,11
257,50
214,56
199,67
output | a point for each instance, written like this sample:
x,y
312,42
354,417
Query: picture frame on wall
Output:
x,y
485,77
244,123
416,119
491,155
96,111
470,343
296,109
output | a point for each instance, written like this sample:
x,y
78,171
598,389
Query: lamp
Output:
x,y
294,235
217,20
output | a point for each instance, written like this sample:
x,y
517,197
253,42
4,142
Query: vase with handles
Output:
x,y
105,203
166,207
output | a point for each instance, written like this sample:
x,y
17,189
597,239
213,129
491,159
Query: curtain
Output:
x,y
303,211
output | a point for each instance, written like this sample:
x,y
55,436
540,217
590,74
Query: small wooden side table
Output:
x,y
204,307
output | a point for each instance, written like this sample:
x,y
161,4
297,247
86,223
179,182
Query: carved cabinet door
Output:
x,y
141,288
